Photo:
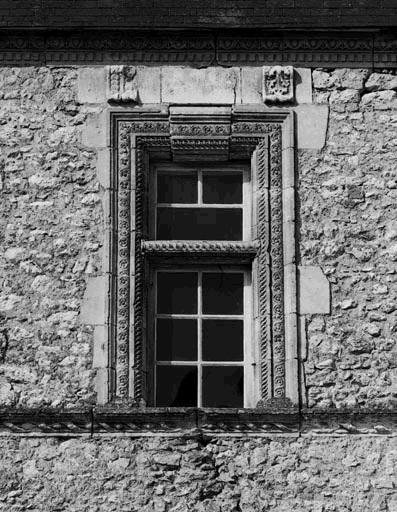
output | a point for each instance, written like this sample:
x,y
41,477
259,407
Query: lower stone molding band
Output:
x,y
194,422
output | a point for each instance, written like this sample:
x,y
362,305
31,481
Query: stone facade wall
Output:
x,y
309,474
53,257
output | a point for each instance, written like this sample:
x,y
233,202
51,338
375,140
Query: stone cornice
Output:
x,y
312,48
121,14
190,421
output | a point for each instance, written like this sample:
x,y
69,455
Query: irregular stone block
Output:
x,y
251,85
91,85
350,78
95,131
303,85
381,81
381,100
312,122
94,304
210,85
314,291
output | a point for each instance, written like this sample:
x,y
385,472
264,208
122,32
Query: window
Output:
x,y
203,196
200,317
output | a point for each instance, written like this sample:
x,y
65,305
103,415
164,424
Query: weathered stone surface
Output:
x,y
94,302
381,82
382,100
314,291
209,85
91,85
312,121
303,85
306,474
348,228
51,234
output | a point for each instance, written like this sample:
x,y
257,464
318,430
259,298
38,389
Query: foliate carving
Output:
x,y
200,247
121,87
123,265
276,253
199,129
278,84
184,149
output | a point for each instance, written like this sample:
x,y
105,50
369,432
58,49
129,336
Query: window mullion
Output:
x,y
199,340
200,187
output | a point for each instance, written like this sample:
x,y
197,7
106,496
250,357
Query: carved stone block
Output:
x,y
121,85
278,84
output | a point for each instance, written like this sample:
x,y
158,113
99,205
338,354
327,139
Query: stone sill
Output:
x,y
187,422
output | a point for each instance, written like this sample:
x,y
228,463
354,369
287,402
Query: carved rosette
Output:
x,y
278,84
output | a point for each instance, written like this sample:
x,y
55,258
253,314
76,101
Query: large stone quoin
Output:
x,y
97,100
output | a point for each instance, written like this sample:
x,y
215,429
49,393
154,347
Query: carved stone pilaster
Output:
x,y
121,87
278,84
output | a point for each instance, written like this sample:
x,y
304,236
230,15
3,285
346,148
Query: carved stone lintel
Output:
x,y
121,88
278,84
198,247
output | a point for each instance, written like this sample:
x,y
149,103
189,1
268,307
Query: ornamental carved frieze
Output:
x,y
121,87
278,84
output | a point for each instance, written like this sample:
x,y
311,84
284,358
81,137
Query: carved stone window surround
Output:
x,y
204,133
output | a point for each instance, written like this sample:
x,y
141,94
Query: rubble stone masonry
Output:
x,y
54,213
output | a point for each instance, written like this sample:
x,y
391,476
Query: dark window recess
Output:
x,y
199,223
223,386
223,293
222,188
223,340
177,187
176,339
177,292
176,386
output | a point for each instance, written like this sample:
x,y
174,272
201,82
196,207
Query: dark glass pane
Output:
x,y
177,187
223,386
176,386
199,223
222,188
223,293
177,292
223,340
176,339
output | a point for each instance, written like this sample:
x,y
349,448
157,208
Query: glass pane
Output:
x,y
223,386
223,293
199,224
177,187
177,292
176,386
222,188
223,340
176,340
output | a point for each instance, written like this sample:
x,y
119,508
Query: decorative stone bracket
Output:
x,y
278,84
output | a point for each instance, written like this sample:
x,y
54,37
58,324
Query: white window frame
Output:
x,y
249,363
246,205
